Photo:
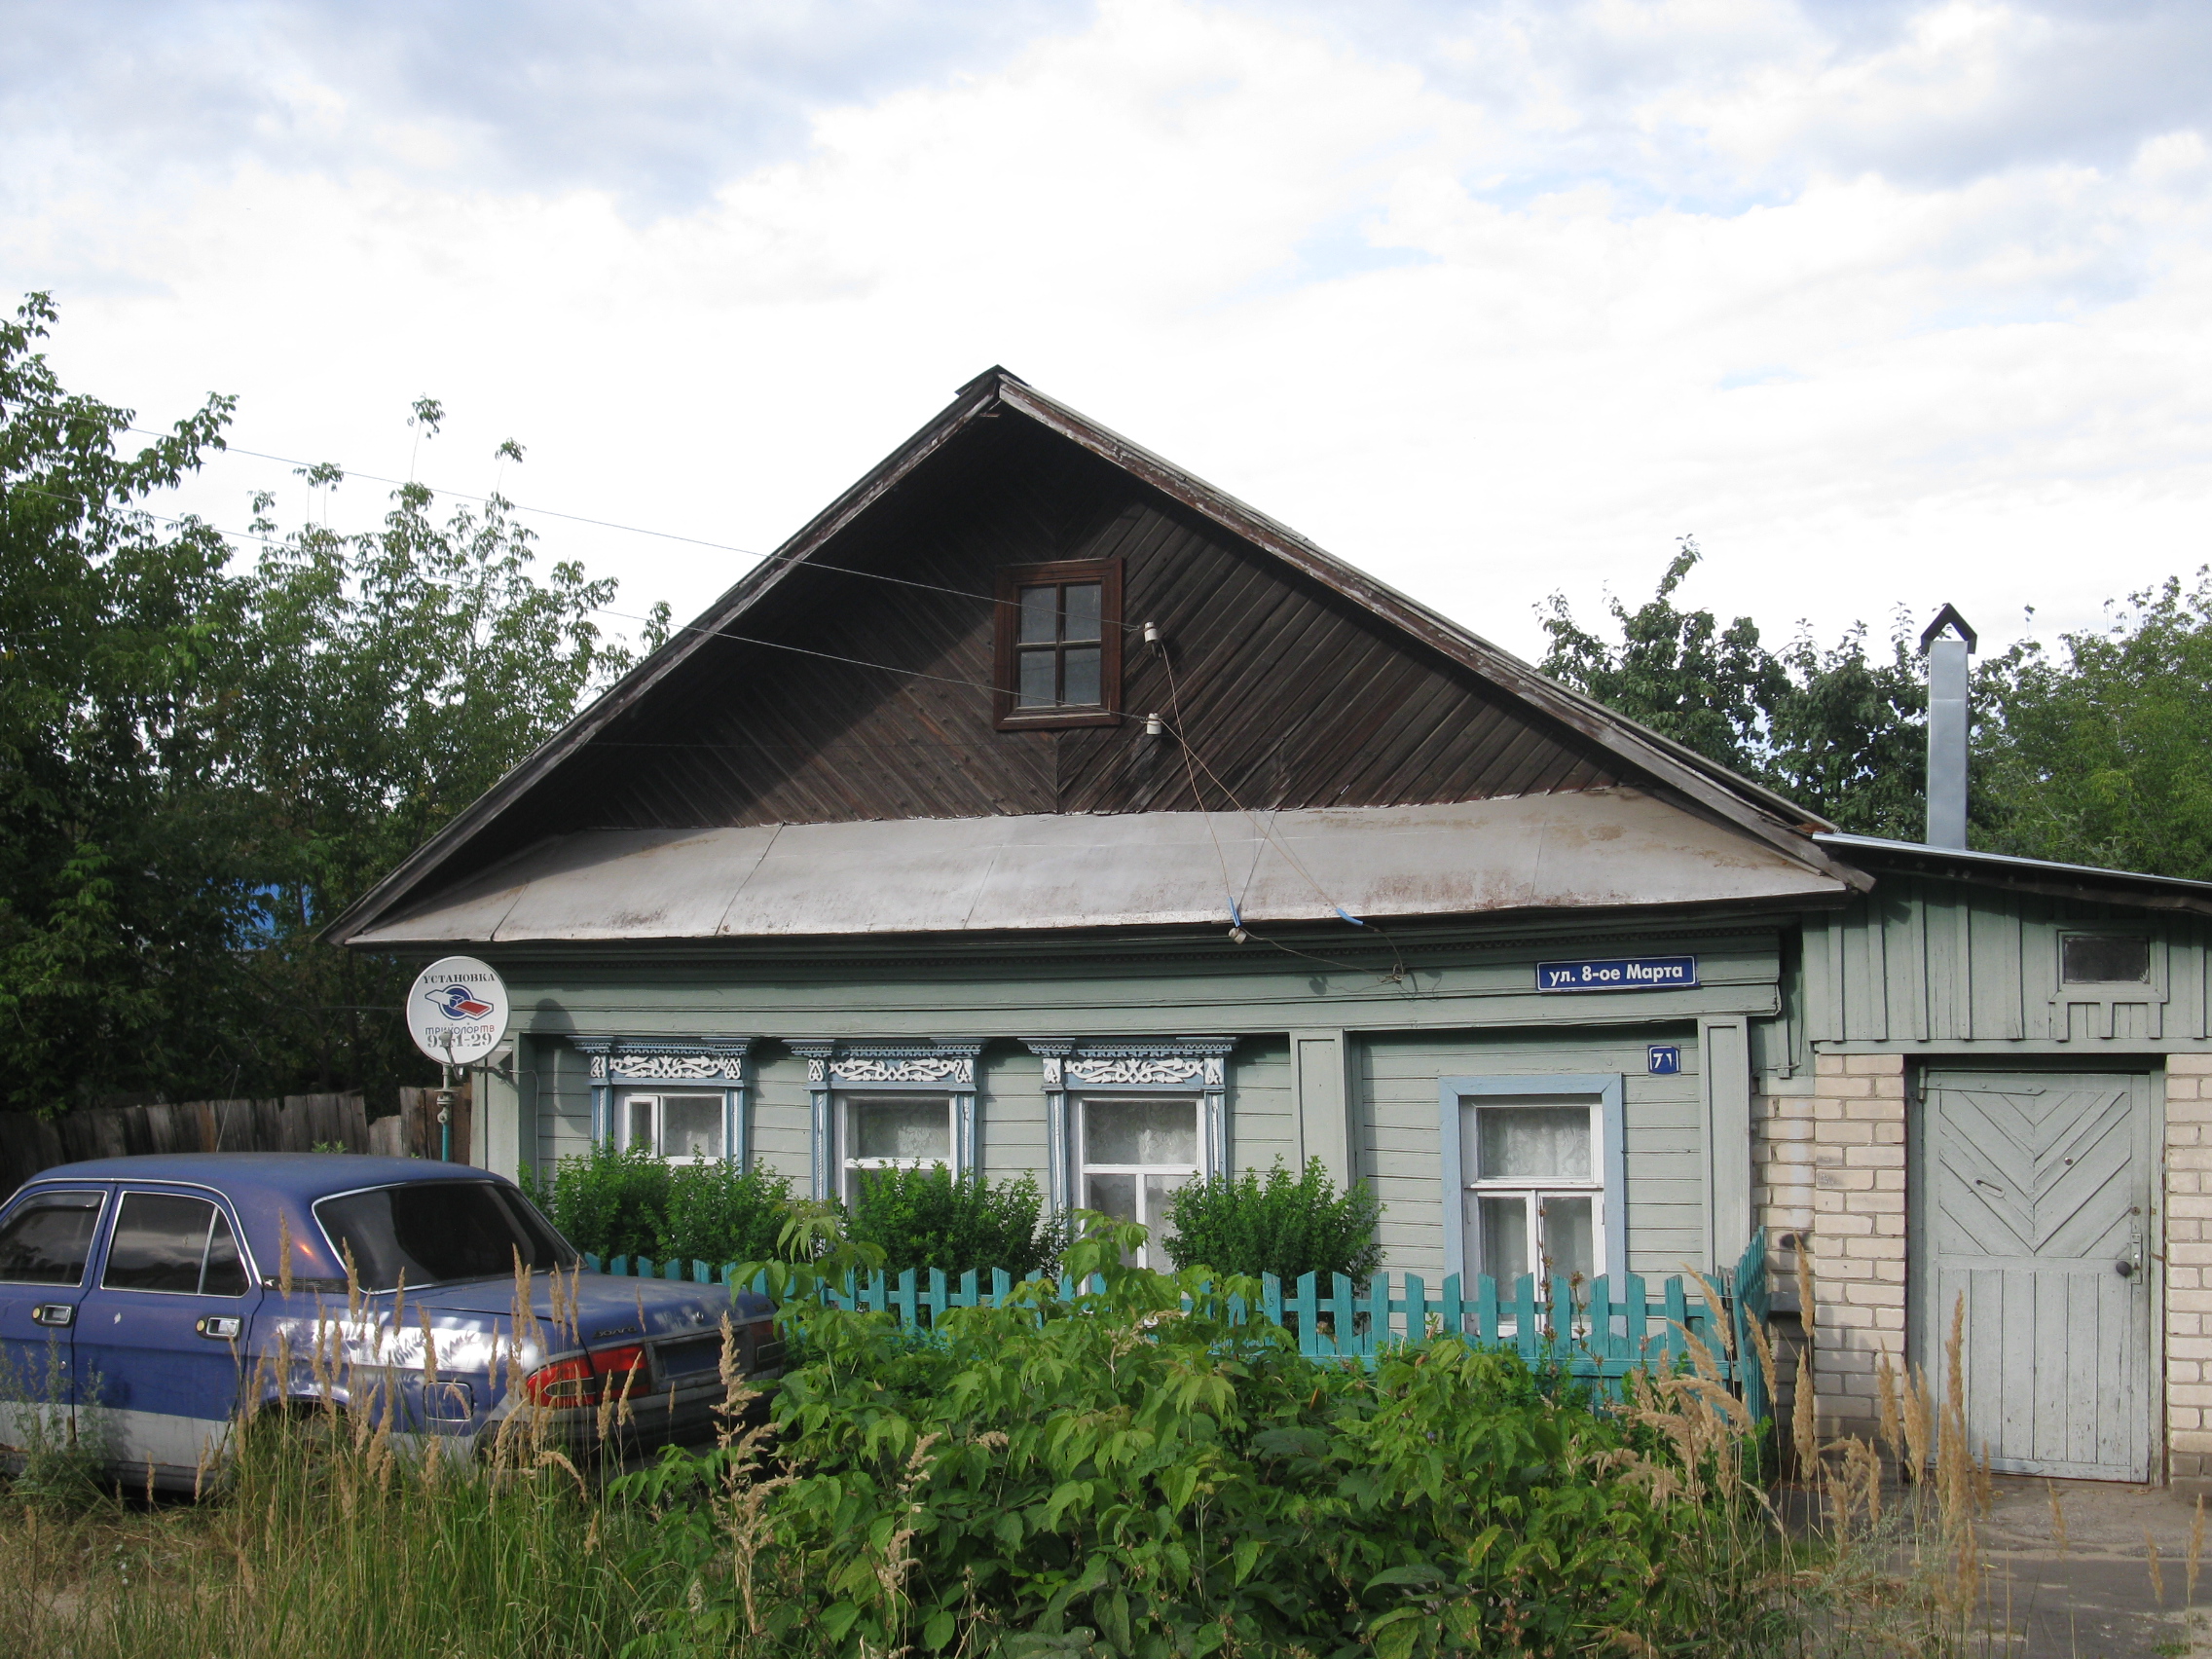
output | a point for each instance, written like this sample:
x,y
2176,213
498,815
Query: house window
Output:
x,y
2104,959
683,1129
1536,1199
1135,1153
892,1133
1059,653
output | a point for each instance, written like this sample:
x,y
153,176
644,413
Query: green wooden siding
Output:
x,y
1928,960
1398,1132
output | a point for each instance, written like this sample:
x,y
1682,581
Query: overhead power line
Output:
x,y
223,447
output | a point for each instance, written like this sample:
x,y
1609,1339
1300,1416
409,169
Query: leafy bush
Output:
x,y
624,1201
720,1213
611,1200
932,1218
1286,1225
1111,1474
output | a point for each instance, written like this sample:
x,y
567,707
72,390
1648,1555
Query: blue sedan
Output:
x,y
184,1293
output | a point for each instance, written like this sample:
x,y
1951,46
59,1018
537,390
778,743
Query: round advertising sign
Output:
x,y
457,1010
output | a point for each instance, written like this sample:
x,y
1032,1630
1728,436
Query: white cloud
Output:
x,y
1462,333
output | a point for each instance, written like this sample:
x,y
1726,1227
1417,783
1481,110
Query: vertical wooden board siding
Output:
x,y
1263,1107
1928,960
782,1116
1395,1118
1010,1115
564,1102
1995,1009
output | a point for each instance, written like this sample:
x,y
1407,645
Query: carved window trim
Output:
x,y
838,1069
1178,1066
648,1066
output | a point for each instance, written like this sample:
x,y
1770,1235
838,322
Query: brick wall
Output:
x,y
1857,1231
2188,1265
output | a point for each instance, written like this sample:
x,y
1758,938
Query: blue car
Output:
x,y
183,1294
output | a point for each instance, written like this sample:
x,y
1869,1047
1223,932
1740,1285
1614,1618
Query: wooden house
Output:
x,y
1040,808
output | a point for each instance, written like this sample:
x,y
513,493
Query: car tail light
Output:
x,y
564,1382
623,1368
581,1380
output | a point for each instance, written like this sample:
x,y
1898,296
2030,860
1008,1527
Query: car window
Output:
x,y
224,1274
439,1230
48,1239
161,1243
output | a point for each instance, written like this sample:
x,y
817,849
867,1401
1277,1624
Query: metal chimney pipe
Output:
x,y
1947,642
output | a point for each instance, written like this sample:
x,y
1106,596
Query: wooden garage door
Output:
x,y
2036,1212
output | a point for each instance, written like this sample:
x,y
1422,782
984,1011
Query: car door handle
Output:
x,y
223,1327
55,1314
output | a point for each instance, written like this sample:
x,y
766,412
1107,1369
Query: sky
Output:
x,y
1886,304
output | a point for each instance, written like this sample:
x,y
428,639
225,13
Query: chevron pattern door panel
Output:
x,y
2037,1196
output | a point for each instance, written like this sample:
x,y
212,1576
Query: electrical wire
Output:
x,y
597,609
761,559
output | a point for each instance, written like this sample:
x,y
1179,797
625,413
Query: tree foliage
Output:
x,y
2100,751
203,758
1840,729
2096,752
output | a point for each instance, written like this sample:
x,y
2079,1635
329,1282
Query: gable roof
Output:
x,y
1689,780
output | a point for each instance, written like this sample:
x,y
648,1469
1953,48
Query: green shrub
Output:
x,y
1286,1225
718,1213
624,1201
609,1201
932,1218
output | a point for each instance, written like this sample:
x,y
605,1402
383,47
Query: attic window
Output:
x,y
1059,644
2104,959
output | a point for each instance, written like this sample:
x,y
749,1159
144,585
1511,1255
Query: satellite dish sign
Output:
x,y
457,1010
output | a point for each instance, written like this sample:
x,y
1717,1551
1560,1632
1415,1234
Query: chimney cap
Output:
x,y
1947,617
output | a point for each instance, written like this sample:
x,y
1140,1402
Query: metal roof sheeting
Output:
x,y
1598,849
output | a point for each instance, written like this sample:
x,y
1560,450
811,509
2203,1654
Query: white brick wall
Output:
x,y
2188,1264
1858,1204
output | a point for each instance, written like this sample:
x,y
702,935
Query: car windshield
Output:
x,y
435,1231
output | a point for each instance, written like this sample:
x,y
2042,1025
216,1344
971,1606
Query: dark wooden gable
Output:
x,y
1292,695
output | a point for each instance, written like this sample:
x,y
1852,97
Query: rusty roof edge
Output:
x,y
970,401
1773,817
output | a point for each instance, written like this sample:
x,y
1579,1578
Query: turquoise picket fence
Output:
x,y
1601,1333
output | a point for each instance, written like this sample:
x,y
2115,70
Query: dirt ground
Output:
x,y
2092,1592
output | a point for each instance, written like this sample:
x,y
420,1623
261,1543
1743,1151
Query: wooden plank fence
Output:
x,y
1600,1336
297,1122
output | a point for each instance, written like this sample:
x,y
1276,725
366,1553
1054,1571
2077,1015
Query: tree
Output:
x,y
1839,729
1678,671
2100,753
399,674
202,763
121,897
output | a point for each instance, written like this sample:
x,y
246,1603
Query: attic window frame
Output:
x,y
1005,656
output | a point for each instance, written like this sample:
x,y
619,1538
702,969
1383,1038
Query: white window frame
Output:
x,y
850,1163
628,1100
1609,1185
1085,1167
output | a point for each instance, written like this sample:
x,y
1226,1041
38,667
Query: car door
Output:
x,y
46,1243
161,1336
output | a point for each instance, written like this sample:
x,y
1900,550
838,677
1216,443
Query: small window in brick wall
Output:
x,y
2104,959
